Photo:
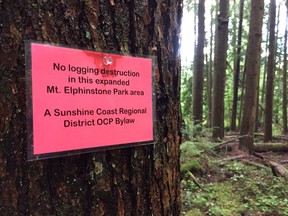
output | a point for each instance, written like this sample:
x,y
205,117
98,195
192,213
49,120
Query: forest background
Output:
x,y
234,107
238,16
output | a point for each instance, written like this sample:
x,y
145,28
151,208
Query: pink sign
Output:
x,y
83,99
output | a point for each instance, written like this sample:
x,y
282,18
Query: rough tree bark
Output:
x,y
252,75
220,70
133,181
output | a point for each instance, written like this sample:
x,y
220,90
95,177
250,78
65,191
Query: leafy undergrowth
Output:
x,y
231,187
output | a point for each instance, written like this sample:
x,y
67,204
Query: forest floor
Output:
x,y
226,181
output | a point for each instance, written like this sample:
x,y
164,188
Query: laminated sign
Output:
x,y
80,101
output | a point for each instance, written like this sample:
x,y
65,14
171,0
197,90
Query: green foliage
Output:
x,y
194,132
192,152
190,5
186,92
194,212
191,149
189,129
192,165
267,194
233,189
220,199
236,169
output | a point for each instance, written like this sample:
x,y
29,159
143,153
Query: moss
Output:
x,y
192,166
227,202
189,149
220,199
194,212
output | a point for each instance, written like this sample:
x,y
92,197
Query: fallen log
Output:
x,y
281,137
278,169
275,147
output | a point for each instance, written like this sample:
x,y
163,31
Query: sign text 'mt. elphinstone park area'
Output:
x,y
83,99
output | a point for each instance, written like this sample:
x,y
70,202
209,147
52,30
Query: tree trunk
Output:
x,y
198,75
242,90
270,74
220,70
252,74
133,181
256,125
237,68
284,93
263,87
210,71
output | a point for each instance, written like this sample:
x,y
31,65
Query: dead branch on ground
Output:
x,y
195,181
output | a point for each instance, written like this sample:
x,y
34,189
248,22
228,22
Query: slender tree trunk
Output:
x,y
237,68
220,70
277,59
256,128
195,27
142,180
252,74
284,93
198,76
210,72
262,111
242,91
270,74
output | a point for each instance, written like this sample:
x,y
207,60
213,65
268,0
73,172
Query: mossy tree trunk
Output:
x,y
132,181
